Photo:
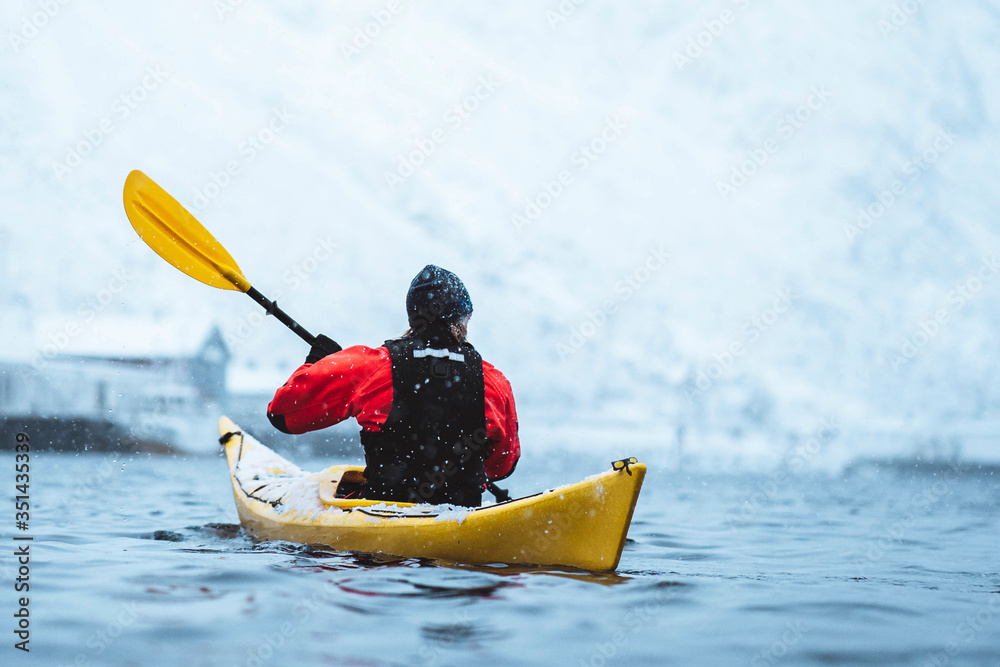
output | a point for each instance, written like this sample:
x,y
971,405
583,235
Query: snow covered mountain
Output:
x,y
706,227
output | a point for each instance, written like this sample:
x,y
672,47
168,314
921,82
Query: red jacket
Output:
x,y
357,382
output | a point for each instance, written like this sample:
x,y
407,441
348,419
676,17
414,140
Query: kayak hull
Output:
x,y
582,525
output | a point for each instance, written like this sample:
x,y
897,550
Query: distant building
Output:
x,y
121,385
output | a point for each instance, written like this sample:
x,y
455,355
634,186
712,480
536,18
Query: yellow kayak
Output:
x,y
580,525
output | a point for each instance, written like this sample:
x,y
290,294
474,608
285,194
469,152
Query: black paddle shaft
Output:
x,y
271,308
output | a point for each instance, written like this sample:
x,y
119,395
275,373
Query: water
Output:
x,y
138,561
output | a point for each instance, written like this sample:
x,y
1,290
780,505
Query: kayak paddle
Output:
x,y
177,236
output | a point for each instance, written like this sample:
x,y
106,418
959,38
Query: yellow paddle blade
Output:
x,y
177,236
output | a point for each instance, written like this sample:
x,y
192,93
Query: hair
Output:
x,y
459,329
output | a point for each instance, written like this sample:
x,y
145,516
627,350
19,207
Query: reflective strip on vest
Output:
x,y
441,354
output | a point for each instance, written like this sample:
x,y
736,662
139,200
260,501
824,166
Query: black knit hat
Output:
x,y
436,296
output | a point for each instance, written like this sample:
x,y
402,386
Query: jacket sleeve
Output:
x,y
504,446
324,393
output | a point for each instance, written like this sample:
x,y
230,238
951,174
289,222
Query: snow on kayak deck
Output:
x,y
272,478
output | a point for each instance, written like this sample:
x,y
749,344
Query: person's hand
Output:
x,y
323,347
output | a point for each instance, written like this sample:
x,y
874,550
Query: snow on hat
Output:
x,y
436,295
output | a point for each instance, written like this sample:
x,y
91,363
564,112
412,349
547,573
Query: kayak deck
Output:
x,y
581,525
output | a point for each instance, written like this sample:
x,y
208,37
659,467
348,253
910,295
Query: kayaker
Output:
x,y
437,421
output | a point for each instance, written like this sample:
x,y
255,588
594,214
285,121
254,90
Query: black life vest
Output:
x,y
432,446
